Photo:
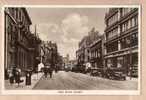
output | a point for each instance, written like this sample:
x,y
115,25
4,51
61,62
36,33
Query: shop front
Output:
x,y
128,63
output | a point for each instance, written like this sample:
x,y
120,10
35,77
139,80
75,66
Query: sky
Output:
x,y
66,26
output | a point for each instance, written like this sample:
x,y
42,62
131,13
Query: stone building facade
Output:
x,y
96,56
50,53
90,49
121,39
20,43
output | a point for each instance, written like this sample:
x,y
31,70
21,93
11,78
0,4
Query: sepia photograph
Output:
x,y
71,49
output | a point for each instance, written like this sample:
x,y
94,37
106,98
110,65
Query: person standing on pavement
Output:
x,y
18,76
11,77
50,70
14,73
45,71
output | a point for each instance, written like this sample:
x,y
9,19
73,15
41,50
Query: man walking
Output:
x,y
50,70
45,71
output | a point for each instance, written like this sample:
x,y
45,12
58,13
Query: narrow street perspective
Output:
x,y
71,48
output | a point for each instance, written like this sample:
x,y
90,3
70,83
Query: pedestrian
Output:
x,y
50,71
40,66
28,77
6,74
45,71
18,76
11,77
56,69
14,73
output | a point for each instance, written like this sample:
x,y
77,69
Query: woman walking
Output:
x,y
11,77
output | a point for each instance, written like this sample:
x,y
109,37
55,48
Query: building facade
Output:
x,y
49,53
95,49
66,60
121,39
82,54
20,43
90,49
96,56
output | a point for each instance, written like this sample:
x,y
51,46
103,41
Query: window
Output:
x,y
129,41
99,53
136,20
113,19
20,15
134,39
112,33
112,47
129,24
132,22
17,13
126,11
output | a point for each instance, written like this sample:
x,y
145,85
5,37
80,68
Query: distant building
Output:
x,y
96,54
90,47
82,53
121,39
49,53
66,61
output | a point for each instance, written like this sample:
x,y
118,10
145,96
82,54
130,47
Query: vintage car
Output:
x,y
116,73
97,72
68,69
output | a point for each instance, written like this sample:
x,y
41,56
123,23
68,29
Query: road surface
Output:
x,y
78,81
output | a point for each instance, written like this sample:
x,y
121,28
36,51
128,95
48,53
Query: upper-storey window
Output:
x,y
12,11
112,33
20,15
112,19
129,41
129,24
126,11
17,14
112,47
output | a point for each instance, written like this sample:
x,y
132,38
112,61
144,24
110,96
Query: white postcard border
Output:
x,y
74,92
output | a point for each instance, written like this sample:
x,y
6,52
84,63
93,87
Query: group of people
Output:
x,y
46,70
14,75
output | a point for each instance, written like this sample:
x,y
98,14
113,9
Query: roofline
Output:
x,y
28,17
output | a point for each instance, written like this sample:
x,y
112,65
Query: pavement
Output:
x,y
78,81
35,78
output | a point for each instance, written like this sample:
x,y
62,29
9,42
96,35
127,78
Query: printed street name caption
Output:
x,y
70,91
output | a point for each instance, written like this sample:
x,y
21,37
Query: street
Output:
x,y
78,81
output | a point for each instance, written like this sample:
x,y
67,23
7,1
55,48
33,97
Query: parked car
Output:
x,y
67,69
116,73
97,72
